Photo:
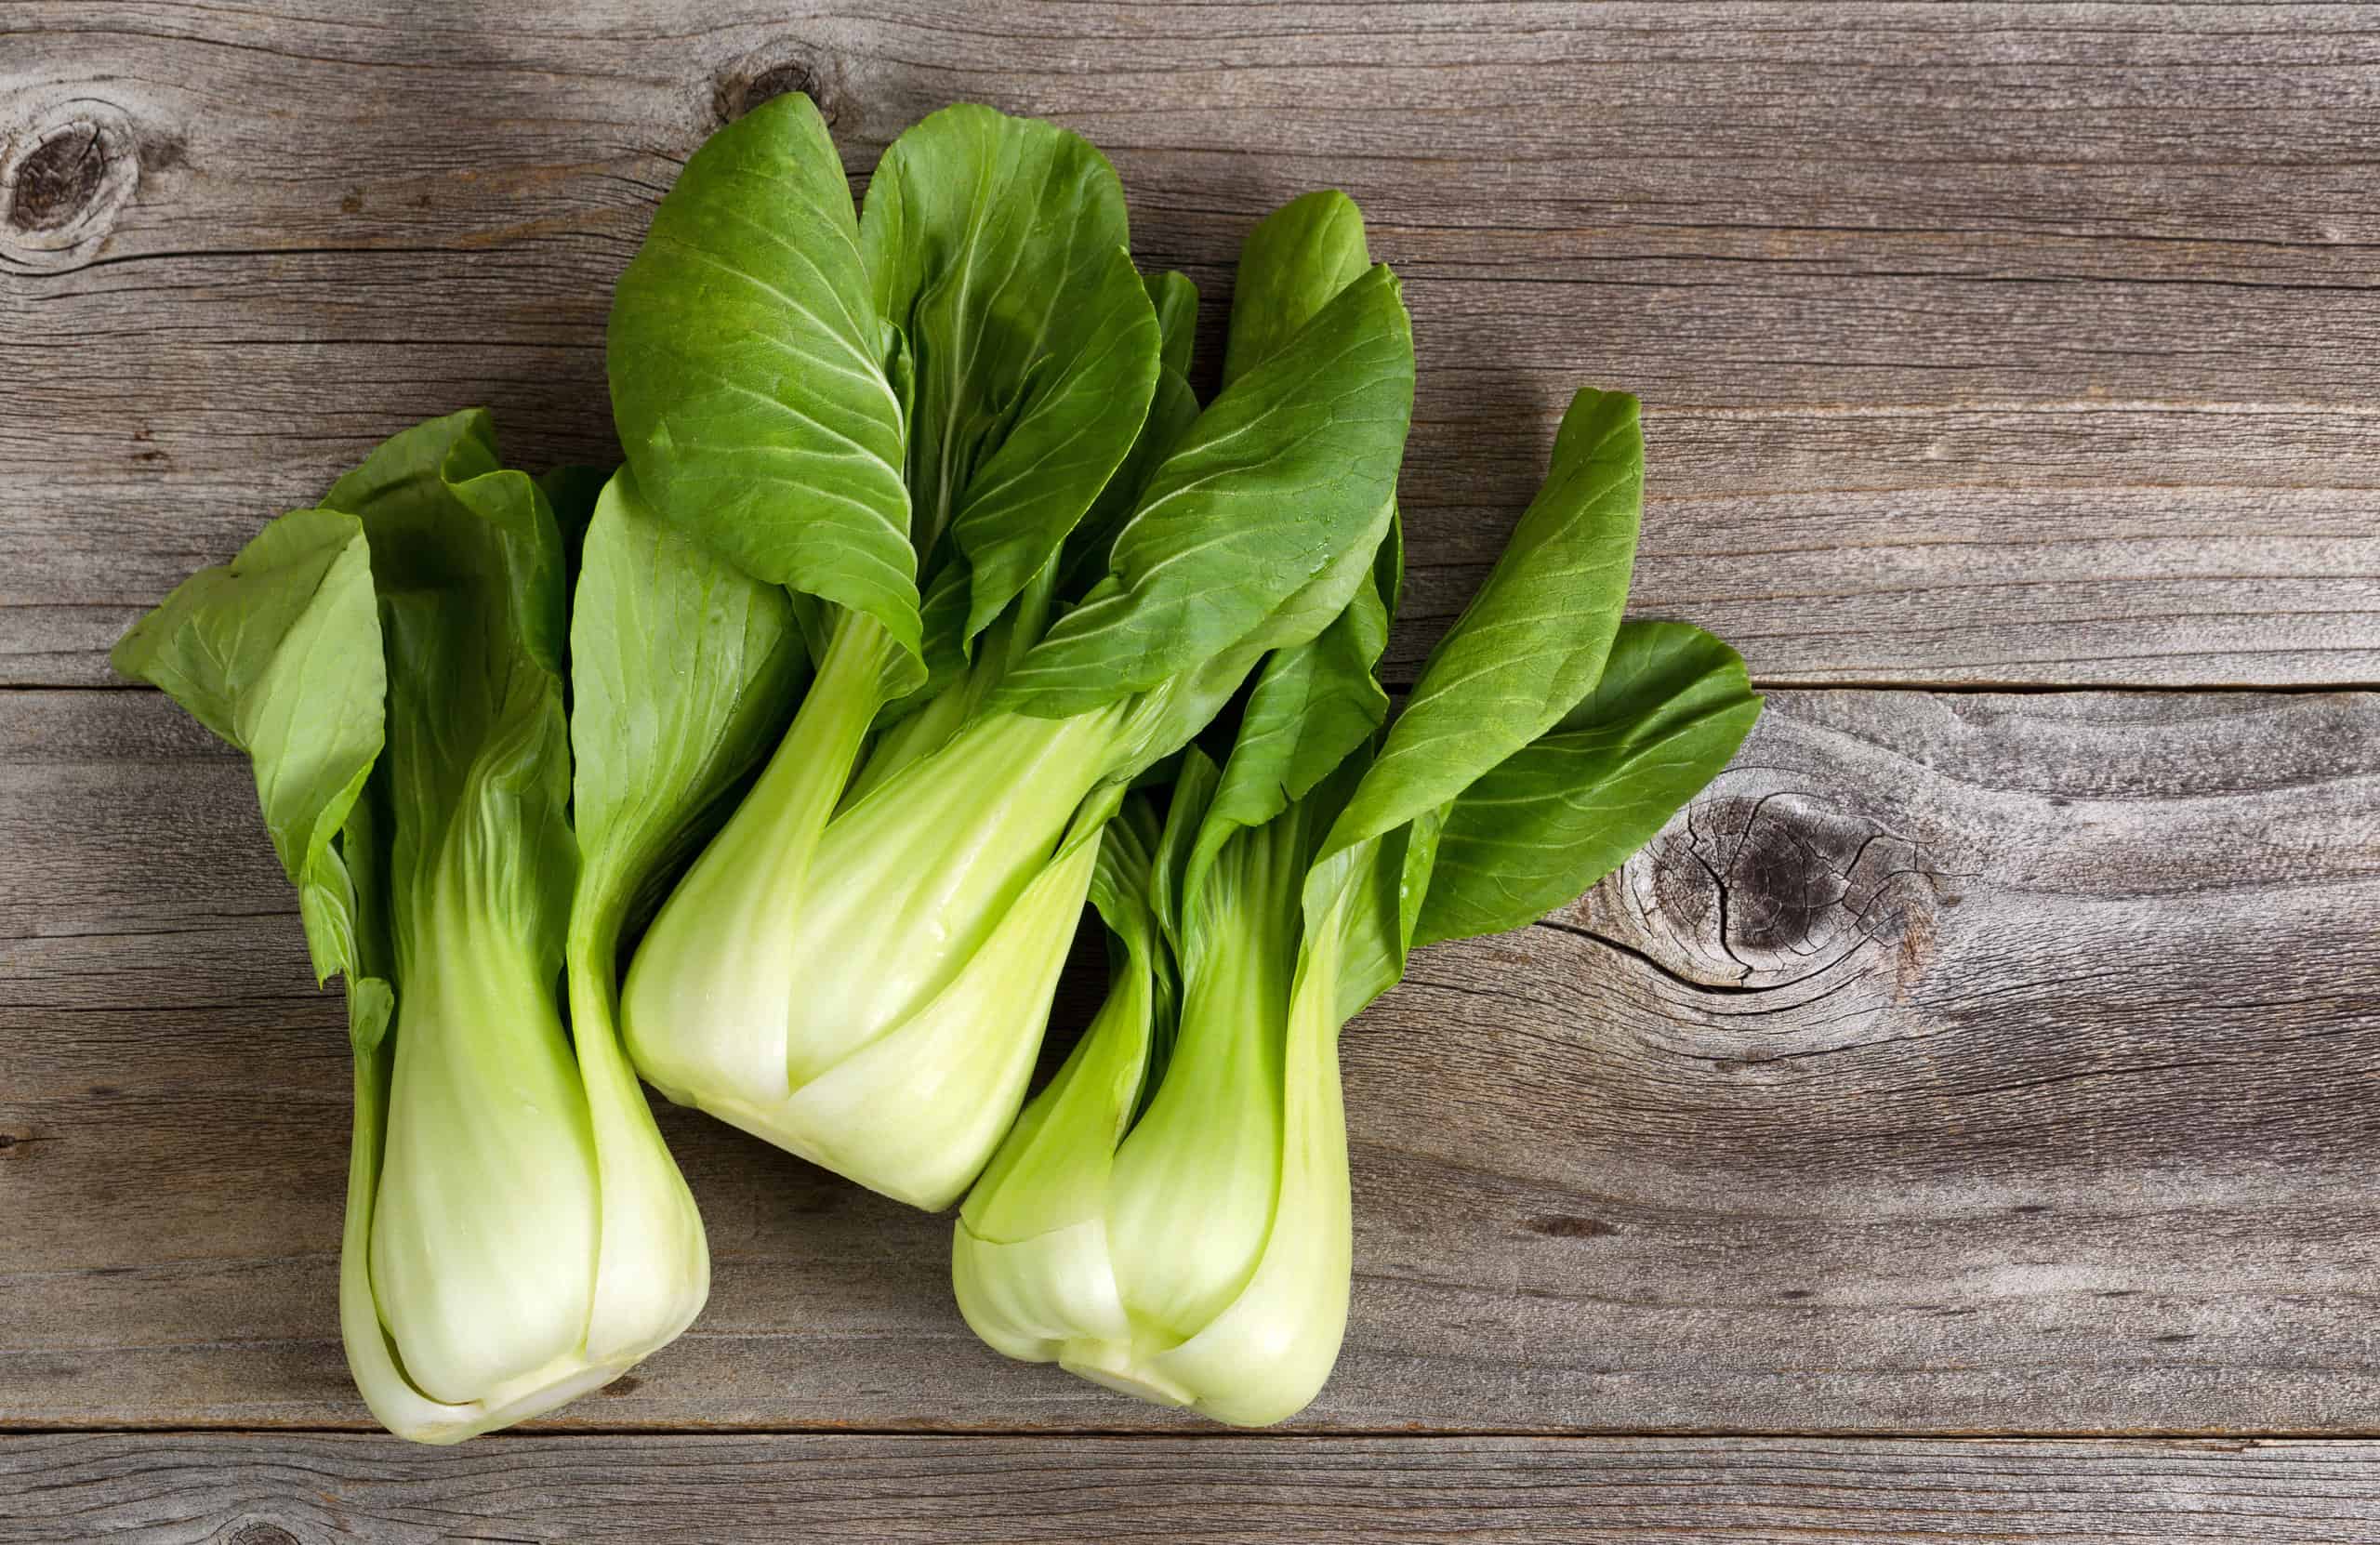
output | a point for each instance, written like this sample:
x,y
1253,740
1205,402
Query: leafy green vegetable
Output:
x,y
1532,642
516,1234
278,652
751,376
1566,810
925,573
1313,702
681,668
1068,570
1266,491
1194,1247
997,245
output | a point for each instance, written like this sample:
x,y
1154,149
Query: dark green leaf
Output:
x,y
572,492
1163,720
1560,813
1532,642
1314,703
1295,263
1175,300
1283,474
1173,409
749,371
1317,700
999,245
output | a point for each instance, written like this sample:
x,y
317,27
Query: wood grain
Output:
x,y
182,1488
1981,345
1960,1064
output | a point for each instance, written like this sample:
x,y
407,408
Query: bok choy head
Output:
x,y
391,663
1171,1216
954,426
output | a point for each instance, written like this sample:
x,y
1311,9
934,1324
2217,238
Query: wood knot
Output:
x,y
1564,1226
775,71
64,178
58,179
1764,891
263,1534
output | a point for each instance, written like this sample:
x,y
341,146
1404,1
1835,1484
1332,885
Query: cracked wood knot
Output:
x,y
1770,890
775,70
58,179
65,175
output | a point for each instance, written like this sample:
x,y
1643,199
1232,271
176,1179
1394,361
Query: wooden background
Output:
x,y
1962,1124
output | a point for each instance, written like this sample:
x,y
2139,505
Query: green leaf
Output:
x,y
1175,300
1357,903
999,246
1312,704
1162,721
1295,263
278,652
1315,701
469,564
685,672
1388,567
1562,813
749,373
424,485
1532,642
1286,473
1173,409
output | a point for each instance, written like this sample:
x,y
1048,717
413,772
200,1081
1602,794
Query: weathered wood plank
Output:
x,y
1982,345
182,1488
1960,1064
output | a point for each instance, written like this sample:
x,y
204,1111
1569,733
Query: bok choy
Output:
x,y
1171,1215
392,664
890,648
955,427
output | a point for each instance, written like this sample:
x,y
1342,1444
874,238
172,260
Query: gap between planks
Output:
x,y
1217,1433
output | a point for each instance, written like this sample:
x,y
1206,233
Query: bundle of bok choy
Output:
x,y
955,427
1171,1216
888,649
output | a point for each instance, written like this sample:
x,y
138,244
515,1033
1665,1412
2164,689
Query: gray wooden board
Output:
x,y
1981,344
182,1489
1959,1063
